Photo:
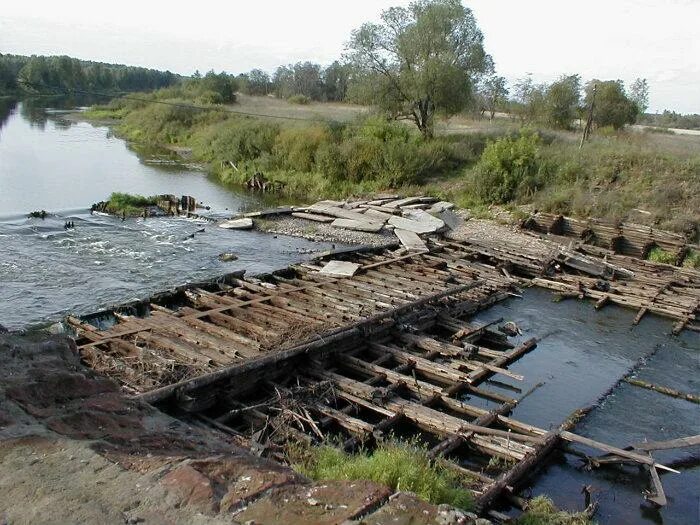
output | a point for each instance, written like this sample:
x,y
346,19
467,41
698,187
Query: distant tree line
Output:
x,y
41,74
671,119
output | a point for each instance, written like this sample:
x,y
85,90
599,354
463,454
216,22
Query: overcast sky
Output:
x,y
606,39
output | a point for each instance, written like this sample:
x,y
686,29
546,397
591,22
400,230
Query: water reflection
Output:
x,y
7,107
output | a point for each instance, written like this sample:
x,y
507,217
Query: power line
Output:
x,y
68,91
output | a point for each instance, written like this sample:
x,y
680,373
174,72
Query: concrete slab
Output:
x,y
312,217
451,219
424,216
410,240
364,224
340,268
413,226
237,224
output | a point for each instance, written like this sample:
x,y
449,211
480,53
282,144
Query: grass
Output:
x,y
692,260
542,511
399,465
126,203
658,255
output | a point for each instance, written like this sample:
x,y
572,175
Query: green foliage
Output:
x,y
658,255
296,148
127,203
39,74
692,260
562,101
235,139
299,99
509,167
542,511
612,106
422,59
401,466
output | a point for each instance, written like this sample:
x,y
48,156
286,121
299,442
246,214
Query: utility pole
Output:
x,y
589,120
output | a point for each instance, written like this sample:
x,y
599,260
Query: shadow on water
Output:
x,y
582,354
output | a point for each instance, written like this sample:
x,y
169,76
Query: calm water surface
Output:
x,y
48,162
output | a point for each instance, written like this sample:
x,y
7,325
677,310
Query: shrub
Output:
x,y
238,140
299,99
363,157
508,167
330,161
401,466
692,260
296,147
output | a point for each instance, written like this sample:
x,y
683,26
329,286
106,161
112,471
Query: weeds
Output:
x,y
399,465
542,511
128,204
658,255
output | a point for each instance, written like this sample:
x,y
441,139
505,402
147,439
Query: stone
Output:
x,y
191,486
340,268
228,257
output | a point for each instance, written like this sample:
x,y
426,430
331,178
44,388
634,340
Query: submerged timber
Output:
x,y
363,342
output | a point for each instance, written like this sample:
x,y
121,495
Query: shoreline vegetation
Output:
x,y
648,178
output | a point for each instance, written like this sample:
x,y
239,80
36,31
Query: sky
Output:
x,y
607,39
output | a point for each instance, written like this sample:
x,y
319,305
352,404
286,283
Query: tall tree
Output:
x,y
612,105
494,93
639,94
425,57
563,98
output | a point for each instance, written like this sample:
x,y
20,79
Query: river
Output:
x,y
50,162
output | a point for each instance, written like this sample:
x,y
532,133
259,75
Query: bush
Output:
x,y
299,99
330,161
296,147
400,466
237,140
508,167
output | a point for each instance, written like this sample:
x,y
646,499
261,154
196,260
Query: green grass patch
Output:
x,y
129,204
692,260
399,465
658,255
542,511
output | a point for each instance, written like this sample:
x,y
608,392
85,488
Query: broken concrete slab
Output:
x,y
340,268
410,200
424,216
371,212
410,240
441,206
312,217
451,219
362,225
237,224
413,226
336,211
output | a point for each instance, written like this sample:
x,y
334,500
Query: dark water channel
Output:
x,y
582,354
50,162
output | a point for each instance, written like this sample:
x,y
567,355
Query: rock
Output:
x,y
237,224
191,486
227,257
3,330
448,515
482,521
510,329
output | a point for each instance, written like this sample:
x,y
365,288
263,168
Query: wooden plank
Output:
x,y
630,456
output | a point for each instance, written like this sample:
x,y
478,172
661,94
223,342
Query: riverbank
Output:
x,y
646,177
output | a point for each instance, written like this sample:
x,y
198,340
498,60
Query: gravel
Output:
x,y
318,231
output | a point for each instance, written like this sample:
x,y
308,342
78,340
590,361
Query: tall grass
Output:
x,y
399,465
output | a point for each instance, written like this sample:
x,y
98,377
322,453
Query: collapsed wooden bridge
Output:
x,y
389,348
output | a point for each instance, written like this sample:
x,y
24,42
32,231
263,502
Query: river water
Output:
x,y
48,162
52,163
